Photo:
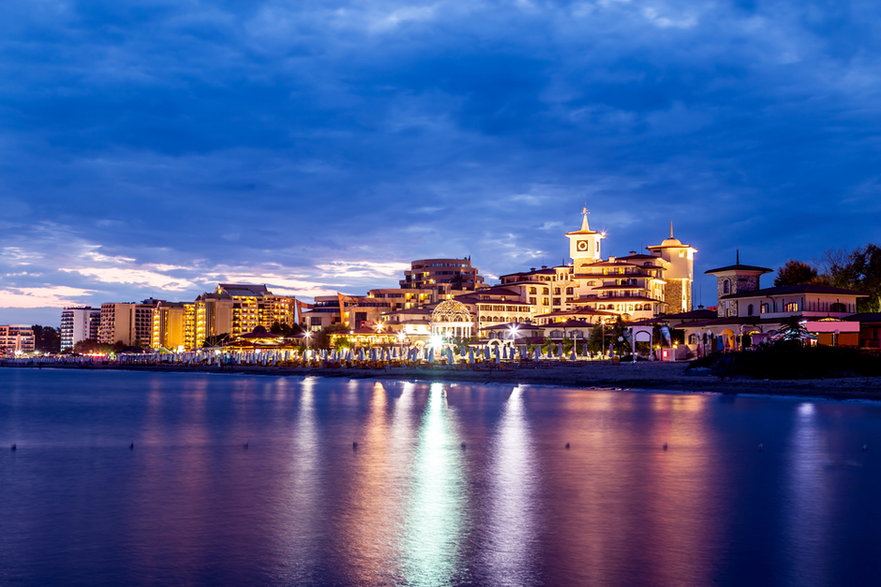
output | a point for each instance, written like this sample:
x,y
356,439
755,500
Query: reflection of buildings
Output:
x,y
78,324
16,338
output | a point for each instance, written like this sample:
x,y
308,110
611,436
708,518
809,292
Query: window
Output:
x,y
749,310
764,309
569,291
726,287
790,307
837,307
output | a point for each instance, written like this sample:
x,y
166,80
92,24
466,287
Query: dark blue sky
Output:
x,y
154,148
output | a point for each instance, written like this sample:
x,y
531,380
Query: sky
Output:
x,y
159,147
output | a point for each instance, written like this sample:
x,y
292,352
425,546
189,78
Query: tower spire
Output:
x,y
671,229
585,226
737,257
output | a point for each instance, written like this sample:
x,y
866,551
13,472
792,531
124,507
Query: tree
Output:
x,y
90,346
46,339
598,336
795,272
860,270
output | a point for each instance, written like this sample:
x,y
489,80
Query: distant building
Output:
x,y
16,338
232,308
129,323
78,324
444,277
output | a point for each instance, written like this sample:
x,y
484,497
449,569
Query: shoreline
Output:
x,y
648,376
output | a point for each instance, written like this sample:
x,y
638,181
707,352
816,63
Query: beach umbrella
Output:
x,y
450,356
574,355
496,356
537,354
486,354
524,352
470,355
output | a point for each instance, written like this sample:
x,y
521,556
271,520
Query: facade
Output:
x,y
16,338
445,278
78,324
634,287
170,327
751,313
232,308
129,323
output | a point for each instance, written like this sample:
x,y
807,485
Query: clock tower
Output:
x,y
584,244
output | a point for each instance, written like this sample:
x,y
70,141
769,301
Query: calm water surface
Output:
x,y
255,480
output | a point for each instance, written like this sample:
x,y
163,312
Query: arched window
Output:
x,y
726,287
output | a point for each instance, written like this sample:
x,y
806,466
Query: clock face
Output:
x,y
581,245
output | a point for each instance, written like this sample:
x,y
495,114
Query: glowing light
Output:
x,y
436,340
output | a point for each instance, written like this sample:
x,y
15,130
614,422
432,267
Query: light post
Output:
x,y
308,336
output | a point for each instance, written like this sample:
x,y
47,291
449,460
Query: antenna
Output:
x,y
738,257
671,229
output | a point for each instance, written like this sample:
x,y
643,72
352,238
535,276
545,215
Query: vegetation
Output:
x,y
286,329
321,339
47,339
91,346
795,272
789,360
859,269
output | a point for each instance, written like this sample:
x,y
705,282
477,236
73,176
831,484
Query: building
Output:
x,y
78,324
445,278
748,314
16,339
634,287
128,323
170,326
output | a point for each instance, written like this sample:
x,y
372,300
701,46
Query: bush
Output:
x,y
792,361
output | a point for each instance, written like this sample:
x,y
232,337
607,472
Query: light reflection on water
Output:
x,y
244,480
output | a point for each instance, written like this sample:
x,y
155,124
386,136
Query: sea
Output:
x,y
134,478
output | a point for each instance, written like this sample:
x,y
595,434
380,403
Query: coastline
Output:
x,y
648,376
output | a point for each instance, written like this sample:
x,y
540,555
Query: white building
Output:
x,y
78,324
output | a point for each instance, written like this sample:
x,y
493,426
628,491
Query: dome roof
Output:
x,y
451,311
671,242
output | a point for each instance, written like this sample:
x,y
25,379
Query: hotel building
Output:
x,y
128,323
16,338
78,324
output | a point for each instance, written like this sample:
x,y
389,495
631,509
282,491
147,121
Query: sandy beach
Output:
x,y
651,376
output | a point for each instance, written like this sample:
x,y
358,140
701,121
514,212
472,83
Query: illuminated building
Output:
x,y
128,323
444,277
635,286
16,338
78,324
748,312
170,327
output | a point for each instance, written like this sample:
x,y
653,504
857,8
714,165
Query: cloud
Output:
x,y
42,297
140,277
